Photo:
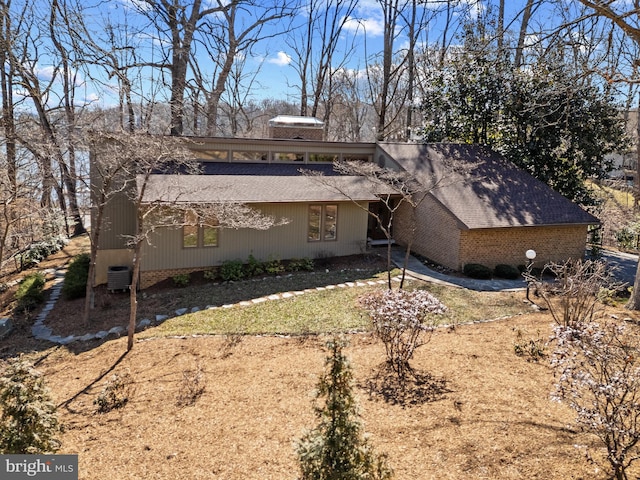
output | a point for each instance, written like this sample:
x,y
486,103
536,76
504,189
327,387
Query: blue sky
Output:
x,y
272,58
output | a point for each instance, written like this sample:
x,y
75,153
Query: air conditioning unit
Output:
x,y
118,278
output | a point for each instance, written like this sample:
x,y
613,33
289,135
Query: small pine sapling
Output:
x,y
337,449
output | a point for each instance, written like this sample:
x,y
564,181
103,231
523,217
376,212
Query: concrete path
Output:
x,y
623,266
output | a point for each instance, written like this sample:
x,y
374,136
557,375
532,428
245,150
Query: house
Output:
x,y
625,164
490,216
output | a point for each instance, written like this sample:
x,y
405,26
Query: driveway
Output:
x,y
623,265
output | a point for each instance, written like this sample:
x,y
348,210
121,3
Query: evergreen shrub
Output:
x,y
507,271
29,293
477,270
75,280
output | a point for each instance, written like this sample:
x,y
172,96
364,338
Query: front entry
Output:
x,y
379,209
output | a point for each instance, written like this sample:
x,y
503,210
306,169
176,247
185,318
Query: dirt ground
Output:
x,y
488,414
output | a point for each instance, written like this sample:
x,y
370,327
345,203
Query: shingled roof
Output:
x,y
493,193
256,183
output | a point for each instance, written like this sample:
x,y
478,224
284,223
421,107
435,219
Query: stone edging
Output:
x,y
41,332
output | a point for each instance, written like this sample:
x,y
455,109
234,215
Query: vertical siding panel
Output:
x,y
119,219
283,242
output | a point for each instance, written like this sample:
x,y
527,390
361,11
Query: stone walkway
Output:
x,y
42,332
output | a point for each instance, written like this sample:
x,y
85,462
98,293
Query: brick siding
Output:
x,y
152,277
439,238
437,235
493,246
296,132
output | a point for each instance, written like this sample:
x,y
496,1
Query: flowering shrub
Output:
x,y
598,376
403,321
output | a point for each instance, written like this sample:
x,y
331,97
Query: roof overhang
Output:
x,y
202,189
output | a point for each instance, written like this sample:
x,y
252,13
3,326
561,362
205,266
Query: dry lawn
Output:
x,y
492,420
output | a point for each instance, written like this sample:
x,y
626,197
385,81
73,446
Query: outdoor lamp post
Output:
x,y
530,254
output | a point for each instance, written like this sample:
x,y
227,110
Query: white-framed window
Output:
x,y
322,223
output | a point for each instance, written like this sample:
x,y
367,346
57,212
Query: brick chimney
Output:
x,y
296,127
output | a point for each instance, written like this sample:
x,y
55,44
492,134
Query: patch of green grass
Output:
x,y
318,312
333,311
465,306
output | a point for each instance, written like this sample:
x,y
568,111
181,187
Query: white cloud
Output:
x,y
137,5
20,93
351,73
92,98
369,26
368,6
45,73
281,59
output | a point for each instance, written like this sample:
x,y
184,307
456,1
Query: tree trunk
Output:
x,y
407,254
178,82
94,237
636,183
69,175
133,296
389,11
69,178
526,16
501,26
6,78
411,69
218,90
634,299
179,23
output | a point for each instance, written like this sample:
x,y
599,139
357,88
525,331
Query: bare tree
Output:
x,y
388,71
320,41
122,164
524,25
625,17
107,179
233,33
179,21
64,17
135,164
18,208
352,114
233,107
392,77
6,79
51,136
